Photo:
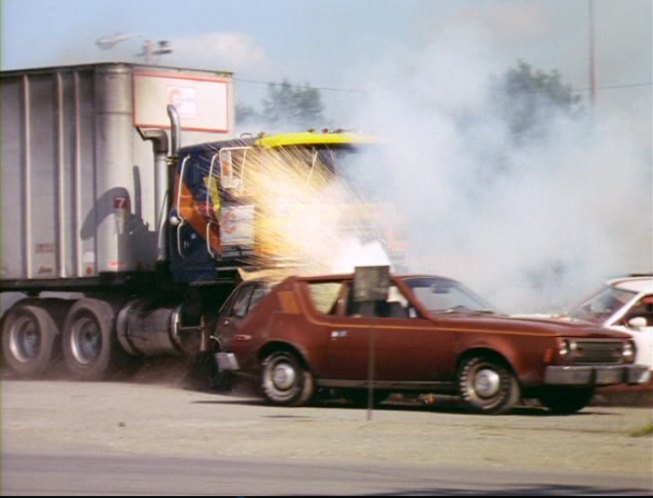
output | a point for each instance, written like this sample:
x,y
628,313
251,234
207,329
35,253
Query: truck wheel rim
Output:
x,y
487,383
25,340
86,341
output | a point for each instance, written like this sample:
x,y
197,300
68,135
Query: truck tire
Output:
x,y
285,381
29,336
89,341
487,385
566,400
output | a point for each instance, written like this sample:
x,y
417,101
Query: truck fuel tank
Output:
x,y
145,328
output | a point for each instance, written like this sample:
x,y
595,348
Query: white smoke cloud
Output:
x,y
556,219
234,52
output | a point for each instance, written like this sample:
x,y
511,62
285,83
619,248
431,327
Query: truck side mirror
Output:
x,y
228,177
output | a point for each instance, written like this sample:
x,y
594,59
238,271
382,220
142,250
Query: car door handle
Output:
x,y
337,334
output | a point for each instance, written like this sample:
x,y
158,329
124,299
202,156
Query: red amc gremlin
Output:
x,y
430,335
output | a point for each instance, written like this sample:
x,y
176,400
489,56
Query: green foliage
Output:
x,y
292,105
245,114
644,431
530,100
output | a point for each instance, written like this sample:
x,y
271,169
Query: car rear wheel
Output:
x,y
487,385
284,379
566,400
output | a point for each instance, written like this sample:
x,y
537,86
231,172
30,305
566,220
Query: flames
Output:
x,y
307,217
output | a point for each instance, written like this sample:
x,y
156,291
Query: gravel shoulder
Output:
x,y
148,418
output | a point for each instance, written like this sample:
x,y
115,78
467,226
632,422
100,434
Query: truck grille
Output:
x,y
598,352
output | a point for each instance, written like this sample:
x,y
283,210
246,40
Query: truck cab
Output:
x,y
238,203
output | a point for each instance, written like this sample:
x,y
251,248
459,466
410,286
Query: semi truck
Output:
x,y
117,242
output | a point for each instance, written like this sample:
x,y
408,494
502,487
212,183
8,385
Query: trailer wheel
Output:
x,y
28,339
89,339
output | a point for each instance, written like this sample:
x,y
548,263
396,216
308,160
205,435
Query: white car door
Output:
x,y
637,320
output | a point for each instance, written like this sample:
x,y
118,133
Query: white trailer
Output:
x,y
84,183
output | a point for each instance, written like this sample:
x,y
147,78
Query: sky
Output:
x,y
571,212
326,44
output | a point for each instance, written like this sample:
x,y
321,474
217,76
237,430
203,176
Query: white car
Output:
x,y
624,304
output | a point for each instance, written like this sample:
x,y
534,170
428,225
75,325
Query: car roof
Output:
x,y
274,279
349,276
639,284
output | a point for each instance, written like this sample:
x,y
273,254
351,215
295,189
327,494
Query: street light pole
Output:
x,y
150,49
592,70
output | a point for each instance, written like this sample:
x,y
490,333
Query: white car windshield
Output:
x,y
440,295
602,305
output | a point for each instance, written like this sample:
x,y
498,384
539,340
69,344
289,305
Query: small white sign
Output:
x,y
204,103
237,226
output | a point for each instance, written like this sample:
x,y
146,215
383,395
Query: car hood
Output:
x,y
530,324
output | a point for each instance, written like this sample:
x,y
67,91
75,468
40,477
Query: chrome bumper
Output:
x,y
226,361
596,375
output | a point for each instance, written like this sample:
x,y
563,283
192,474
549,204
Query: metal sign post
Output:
x,y
371,285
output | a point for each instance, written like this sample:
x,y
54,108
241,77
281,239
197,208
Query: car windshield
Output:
x,y
602,305
440,295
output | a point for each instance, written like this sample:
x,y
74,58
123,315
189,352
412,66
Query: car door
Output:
x,y
391,335
642,333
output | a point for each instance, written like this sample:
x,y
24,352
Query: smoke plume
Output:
x,y
532,227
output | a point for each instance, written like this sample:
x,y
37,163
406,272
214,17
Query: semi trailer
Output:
x,y
122,244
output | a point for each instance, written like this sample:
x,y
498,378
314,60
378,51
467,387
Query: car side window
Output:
x,y
395,306
324,296
259,292
239,309
643,308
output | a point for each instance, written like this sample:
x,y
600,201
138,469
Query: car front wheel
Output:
x,y
284,380
487,385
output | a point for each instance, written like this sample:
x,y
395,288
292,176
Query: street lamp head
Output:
x,y
107,42
163,46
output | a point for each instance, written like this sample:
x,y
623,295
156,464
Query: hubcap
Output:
x,y
86,341
25,340
283,376
487,383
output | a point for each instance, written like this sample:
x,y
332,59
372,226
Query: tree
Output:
x,y
246,114
288,105
530,100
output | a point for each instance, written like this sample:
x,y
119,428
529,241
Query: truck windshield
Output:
x,y
311,167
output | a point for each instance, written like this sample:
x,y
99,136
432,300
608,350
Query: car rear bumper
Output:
x,y
596,375
227,361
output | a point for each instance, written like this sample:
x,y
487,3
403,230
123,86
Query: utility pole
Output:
x,y
592,70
